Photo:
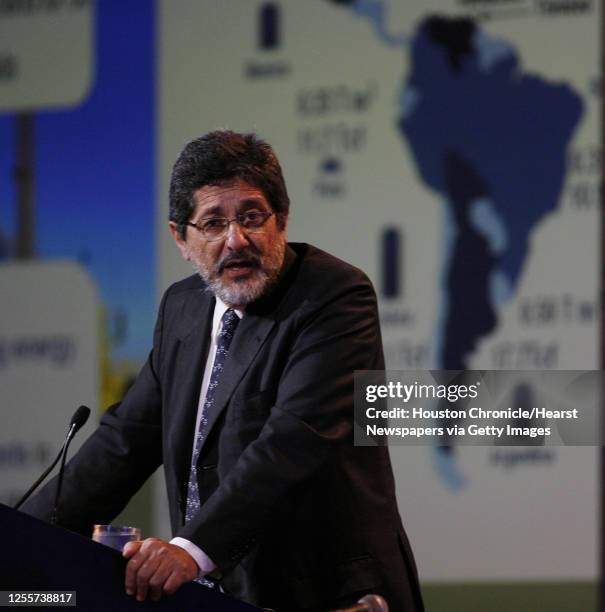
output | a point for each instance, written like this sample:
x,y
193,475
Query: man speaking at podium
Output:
x,y
247,401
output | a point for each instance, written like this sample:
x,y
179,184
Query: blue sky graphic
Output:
x,y
94,173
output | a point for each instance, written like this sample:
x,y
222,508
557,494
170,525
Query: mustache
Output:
x,y
242,258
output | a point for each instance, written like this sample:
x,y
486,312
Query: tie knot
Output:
x,y
229,322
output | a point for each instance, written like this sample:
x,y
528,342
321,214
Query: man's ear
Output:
x,y
181,243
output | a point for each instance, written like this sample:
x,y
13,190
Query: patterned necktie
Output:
x,y
228,324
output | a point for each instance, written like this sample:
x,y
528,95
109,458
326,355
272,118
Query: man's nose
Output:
x,y
236,236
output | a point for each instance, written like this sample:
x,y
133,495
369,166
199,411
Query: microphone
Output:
x,y
368,603
77,421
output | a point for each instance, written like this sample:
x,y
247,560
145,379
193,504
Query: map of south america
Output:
x,y
491,141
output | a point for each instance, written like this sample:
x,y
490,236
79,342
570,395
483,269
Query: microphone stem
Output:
x,y
77,421
35,485
70,434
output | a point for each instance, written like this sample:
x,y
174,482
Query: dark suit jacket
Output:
x,y
292,513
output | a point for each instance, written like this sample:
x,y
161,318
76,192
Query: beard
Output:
x,y
239,292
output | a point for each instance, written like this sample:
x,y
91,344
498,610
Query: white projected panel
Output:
x,y
49,365
46,53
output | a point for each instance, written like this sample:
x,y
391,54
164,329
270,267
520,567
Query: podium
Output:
x,y
36,556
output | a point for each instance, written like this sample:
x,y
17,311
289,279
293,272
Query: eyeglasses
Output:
x,y
215,228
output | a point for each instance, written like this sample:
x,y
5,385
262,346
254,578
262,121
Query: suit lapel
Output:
x,y
189,371
249,337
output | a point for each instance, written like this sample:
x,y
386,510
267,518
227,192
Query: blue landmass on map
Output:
x,y
491,140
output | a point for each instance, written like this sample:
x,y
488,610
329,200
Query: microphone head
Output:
x,y
374,603
79,418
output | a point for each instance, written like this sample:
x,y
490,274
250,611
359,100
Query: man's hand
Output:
x,y
156,566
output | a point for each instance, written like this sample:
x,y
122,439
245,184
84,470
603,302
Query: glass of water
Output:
x,y
115,537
